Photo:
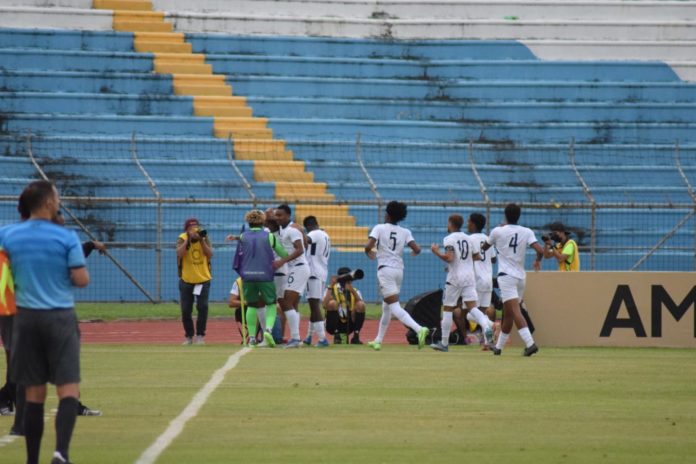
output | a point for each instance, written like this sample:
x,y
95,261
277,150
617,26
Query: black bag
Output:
x,y
425,310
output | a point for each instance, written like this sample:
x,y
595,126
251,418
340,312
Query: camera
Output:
x,y
553,236
202,233
351,276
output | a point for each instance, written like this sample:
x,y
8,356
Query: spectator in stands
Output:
x,y
345,309
559,245
47,261
194,252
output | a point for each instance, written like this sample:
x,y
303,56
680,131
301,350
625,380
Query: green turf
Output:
x,y
349,404
140,311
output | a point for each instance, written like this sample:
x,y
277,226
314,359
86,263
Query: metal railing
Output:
x,y
585,215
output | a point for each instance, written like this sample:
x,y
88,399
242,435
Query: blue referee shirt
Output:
x,y
41,256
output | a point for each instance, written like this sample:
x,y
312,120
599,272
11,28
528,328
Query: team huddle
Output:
x,y
278,262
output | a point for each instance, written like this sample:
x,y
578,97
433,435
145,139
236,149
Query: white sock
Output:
x,y
261,313
383,323
479,318
526,336
310,328
293,318
446,327
404,317
320,330
502,340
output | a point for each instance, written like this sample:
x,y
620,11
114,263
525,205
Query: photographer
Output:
x,y
345,308
559,245
193,253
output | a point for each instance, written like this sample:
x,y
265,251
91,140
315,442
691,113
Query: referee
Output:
x,y
47,261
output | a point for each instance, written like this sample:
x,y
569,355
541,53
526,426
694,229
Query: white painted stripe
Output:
x,y
7,440
177,425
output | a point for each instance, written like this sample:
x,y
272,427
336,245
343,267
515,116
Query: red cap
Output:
x,y
189,222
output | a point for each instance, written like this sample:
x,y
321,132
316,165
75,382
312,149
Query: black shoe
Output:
x,y
496,351
58,459
530,351
337,339
16,431
356,340
83,410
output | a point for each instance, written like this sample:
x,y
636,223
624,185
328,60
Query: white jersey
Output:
x,y
460,272
391,241
483,268
284,268
511,242
288,236
235,288
318,254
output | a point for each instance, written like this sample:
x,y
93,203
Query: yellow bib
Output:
x,y
194,267
8,306
574,264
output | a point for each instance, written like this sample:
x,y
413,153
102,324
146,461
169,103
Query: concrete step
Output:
x,y
55,18
59,39
144,46
426,28
466,91
132,5
44,60
297,191
92,82
223,111
444,9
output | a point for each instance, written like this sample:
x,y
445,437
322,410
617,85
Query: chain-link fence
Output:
x,y
627,207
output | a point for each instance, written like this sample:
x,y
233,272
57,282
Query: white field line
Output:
x,y
176,426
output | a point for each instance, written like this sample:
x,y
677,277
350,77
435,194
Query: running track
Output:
x,y
220,331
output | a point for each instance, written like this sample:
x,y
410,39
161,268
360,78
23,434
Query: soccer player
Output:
x,y
47,261
460,253
484,270
511,241
318,253
390,239
293,240
256,265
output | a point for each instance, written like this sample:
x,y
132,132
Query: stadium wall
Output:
x,y
623,309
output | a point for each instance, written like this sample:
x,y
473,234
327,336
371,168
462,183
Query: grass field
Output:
x,y
349,404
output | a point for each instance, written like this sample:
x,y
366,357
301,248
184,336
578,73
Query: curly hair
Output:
x,y
255,217
397,211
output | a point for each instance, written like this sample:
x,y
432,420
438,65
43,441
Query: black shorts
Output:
x,y
6,331
45,347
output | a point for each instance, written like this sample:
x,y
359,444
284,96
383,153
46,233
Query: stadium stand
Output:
x,y
292,84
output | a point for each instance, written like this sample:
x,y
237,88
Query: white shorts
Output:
x,y
297,279
315,288
484,290
390,279
281,281
511,288
453,292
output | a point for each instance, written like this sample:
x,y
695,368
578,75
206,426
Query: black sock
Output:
x,y
359,321
19,410
331,322
33,430
65,423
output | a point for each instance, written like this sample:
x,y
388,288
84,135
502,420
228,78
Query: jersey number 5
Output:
x,y
392,237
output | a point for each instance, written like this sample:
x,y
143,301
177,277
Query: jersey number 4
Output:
x,y
513,243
